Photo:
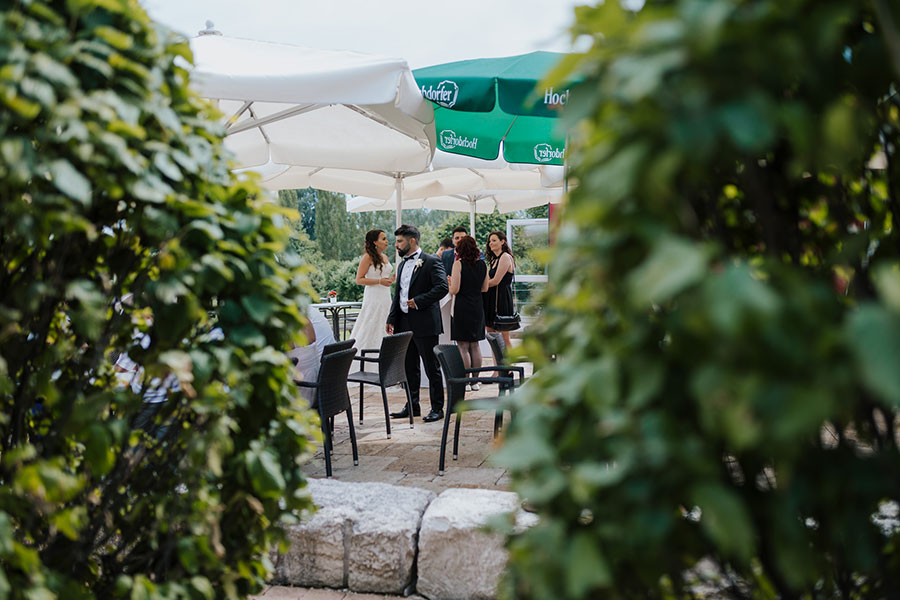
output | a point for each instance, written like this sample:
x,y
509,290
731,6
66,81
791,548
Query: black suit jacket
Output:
x,y
447,260
427,286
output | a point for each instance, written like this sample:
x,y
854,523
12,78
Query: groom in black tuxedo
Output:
x,y
421,283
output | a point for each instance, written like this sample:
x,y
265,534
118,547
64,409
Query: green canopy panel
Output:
x,y
484,104
480,84
531,140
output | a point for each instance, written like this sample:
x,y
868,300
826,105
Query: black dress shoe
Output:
x,y
435,415
404,414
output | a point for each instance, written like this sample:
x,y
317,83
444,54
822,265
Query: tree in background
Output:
x,y
123,230
304,202
336,235
724,311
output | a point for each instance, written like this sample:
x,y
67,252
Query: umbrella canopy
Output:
x,y
450,174
484,202
491,106
293,106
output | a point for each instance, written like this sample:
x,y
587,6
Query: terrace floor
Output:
x,y
411,456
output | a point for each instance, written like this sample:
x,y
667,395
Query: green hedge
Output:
x,y
724,312
114,182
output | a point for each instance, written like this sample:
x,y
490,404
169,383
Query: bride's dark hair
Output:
x,y
372,237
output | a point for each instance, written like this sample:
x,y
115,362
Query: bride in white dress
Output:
x,y
376,274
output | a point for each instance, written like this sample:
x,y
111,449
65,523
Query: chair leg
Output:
x,y
444,441
327,448
352,434
456,435
331,429
408,403
498,422
387,415
361,403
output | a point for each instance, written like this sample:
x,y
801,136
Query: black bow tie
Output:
x,y
410,257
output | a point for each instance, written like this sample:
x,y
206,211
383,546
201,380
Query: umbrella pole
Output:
x,y
398,191
472,216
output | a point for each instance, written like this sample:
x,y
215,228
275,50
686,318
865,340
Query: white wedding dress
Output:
x,y
376,304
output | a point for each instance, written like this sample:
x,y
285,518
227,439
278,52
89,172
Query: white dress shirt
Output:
x,y
406,277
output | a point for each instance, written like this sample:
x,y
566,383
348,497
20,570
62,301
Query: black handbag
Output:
x,y
505,322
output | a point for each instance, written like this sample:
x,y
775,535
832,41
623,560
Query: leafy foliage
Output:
x,y
122,223
724,310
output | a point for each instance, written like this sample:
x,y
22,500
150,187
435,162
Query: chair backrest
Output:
x,y
392,359
332,393
452,365
337,347
498,347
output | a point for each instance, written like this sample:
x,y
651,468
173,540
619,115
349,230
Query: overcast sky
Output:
x,y
422,32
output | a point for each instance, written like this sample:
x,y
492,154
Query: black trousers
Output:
x,y
422,347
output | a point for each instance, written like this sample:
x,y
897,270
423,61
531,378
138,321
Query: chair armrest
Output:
x,y
368,350
366,359
501,380
307,384
519,370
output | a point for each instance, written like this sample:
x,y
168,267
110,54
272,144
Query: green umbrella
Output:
x,y
484,103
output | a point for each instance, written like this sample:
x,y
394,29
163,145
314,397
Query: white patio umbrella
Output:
x,y
289,106
451,178
482,202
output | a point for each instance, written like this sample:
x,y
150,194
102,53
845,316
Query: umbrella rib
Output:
x,y
508,129
279,116
237,115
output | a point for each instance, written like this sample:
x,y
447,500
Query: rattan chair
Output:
x,y
391,360
332,398
457,376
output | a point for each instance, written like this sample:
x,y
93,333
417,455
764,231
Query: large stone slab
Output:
x,y
362,538
457,559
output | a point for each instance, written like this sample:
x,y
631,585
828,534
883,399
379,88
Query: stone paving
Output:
x,y
410,457
296,593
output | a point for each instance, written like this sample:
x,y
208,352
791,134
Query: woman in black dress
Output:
x,y
499,299
468,279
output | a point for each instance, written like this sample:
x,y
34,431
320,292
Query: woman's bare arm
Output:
x,y
361,271
455,278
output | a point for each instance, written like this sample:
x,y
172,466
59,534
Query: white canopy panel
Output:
x,y
450,174
296,106
483,202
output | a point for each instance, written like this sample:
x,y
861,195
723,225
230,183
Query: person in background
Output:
x,y
446,244
376,274
307,358
498,299
421,283
447,259
468,280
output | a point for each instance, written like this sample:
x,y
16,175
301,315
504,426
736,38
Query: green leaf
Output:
x,y
265,472
168,168
725,520
70,521
70,181
98,449
203,586
587,569
673,265
247,336
258,307
873,335
6,534
887,281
